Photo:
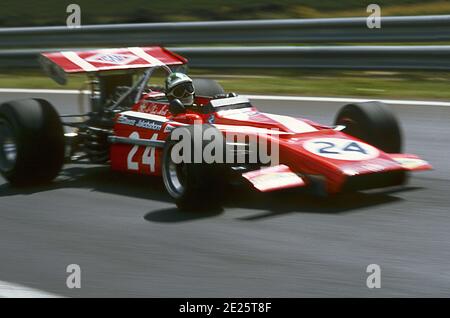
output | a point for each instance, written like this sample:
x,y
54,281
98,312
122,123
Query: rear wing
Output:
x,y
58,64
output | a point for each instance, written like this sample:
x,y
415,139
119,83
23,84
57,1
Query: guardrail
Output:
x,y
323,57
393,29
29,42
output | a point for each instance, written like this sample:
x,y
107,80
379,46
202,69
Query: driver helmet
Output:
x,y
179,86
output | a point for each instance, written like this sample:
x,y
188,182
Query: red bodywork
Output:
x,y
292,134
307,149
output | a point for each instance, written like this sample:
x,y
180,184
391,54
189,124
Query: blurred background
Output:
x,y
52,12
401,82
124,230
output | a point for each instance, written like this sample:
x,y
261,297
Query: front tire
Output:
x,y
31,142
193,185
372,122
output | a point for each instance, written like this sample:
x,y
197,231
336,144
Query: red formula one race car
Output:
x,y
134,127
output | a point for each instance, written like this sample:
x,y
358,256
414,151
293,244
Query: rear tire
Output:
x,y
207,87
31,142
372,122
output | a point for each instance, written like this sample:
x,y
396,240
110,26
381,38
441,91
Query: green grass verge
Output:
x,y
406,85
53,12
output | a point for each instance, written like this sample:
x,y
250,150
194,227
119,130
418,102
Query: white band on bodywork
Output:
x,y
295,125
145,56
74,58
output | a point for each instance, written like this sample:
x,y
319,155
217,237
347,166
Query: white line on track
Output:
x,y
258,97
11,290
41,91
349,100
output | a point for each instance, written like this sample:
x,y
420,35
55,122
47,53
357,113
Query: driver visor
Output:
x,y
182,90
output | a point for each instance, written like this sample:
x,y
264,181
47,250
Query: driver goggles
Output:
x,y
182,90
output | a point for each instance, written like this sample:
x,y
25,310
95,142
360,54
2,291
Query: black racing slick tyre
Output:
x,y
194,184
205,87
372,122
31,142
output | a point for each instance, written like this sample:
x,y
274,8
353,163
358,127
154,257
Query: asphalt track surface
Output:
x,y
130,241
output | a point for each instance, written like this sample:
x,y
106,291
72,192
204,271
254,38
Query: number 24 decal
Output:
x,y
330,148
148,157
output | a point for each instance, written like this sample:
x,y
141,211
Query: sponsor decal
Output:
x,y
124,120
112,58
341,149
140,123
156,109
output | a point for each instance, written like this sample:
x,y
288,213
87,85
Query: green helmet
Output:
x,y
179,85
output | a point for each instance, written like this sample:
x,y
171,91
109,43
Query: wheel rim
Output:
x,y
8,147
175,176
